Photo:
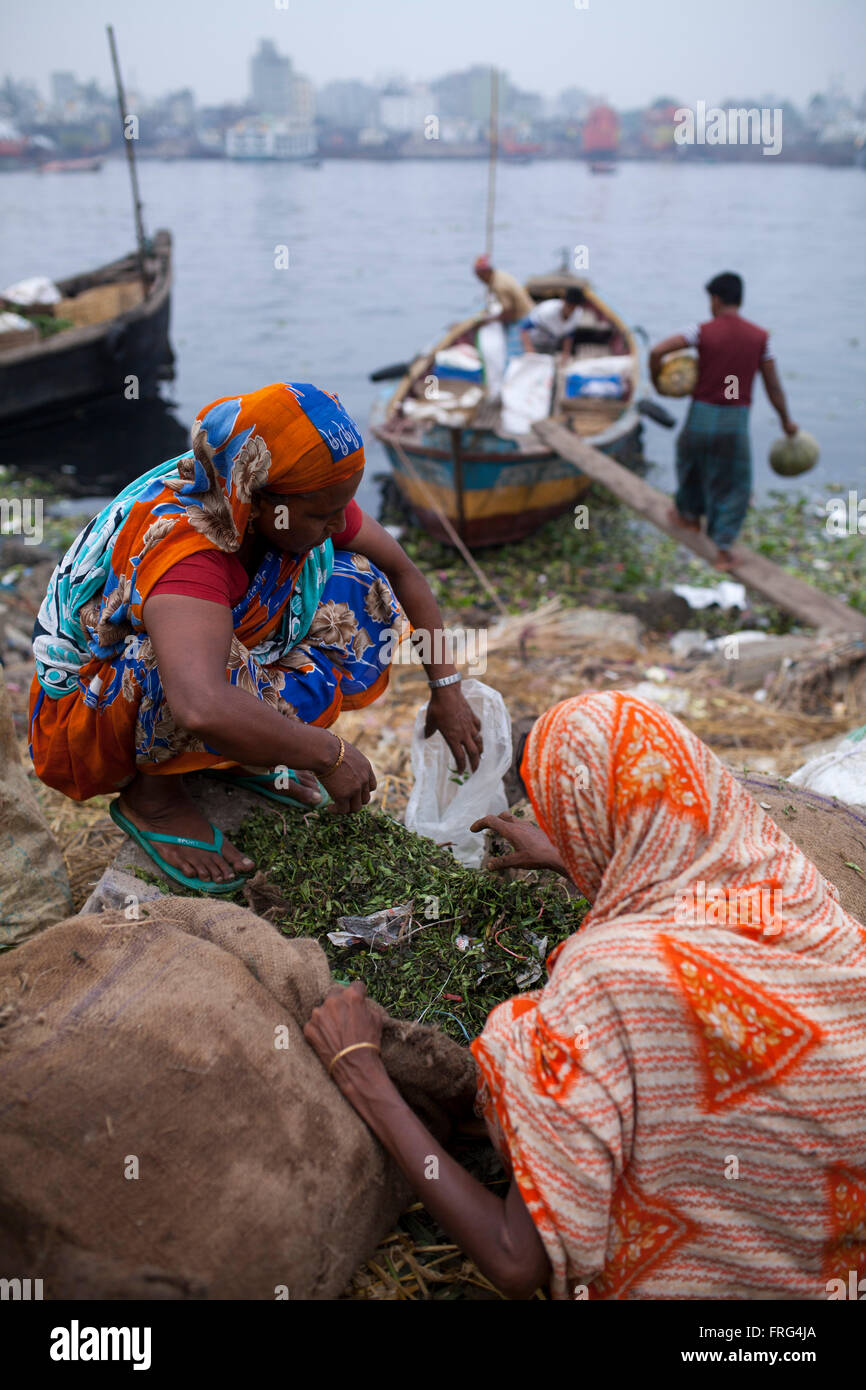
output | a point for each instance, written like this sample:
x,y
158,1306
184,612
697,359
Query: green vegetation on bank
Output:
x,y
619,554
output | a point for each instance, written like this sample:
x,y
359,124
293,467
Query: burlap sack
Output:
x,y
828,832
150,1047
34,888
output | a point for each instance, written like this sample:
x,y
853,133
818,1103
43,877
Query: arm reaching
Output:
x,y
777,396
448,710
500,1236
191,639
532,849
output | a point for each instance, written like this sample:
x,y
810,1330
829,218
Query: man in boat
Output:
x,y
218,615
552,324
714,460
515,303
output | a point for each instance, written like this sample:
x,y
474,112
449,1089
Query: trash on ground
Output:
x,y
383,928
727,594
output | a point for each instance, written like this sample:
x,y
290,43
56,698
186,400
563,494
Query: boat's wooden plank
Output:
x,y
788,592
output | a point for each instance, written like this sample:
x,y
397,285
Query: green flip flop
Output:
x,y
146,839
264,783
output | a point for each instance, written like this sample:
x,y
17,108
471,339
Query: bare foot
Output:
x,y
677,519
305,792
161,804
725,560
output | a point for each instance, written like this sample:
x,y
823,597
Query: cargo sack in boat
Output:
x,y
34,888
459,363
442,804
526,391
166,1129
594,377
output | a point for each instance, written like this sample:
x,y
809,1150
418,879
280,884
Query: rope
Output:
x,y
448,528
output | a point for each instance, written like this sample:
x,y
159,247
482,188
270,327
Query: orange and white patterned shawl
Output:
x,y
684,1104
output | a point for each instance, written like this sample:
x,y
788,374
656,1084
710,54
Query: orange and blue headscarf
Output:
x,y
289,437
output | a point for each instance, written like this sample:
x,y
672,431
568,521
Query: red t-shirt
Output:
x,y
221,578
728,346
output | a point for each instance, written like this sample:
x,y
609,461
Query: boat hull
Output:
x,y
98,360
504,498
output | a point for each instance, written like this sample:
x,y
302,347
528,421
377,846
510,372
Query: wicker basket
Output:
x,y
100,303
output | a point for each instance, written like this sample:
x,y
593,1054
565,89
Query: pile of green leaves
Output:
x,y
328,866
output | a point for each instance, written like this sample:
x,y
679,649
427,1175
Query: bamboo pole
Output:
x,y
130,159
491,167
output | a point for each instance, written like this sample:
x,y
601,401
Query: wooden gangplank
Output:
x,y
788,592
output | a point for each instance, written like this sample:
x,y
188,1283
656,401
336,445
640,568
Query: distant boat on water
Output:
x,y
85,165
601,139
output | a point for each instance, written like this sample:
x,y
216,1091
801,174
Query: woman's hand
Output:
x,y
450,713
532,848
343,1019
350,786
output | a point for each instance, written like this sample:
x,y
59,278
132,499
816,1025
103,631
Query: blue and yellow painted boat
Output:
x,y
459,472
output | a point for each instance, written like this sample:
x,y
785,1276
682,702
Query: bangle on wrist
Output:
x,y
443,681
340,756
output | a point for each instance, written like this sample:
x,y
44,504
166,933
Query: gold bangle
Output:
x,y
350,1048
340,756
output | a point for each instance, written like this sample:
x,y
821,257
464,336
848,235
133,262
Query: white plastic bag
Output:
x,y
441,805
37,290
526,391
840,773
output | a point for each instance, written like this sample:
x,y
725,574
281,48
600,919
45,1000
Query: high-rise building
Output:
x,y
64,88
276,89
351,104
271,81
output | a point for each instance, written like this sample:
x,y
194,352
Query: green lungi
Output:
x,y
714,469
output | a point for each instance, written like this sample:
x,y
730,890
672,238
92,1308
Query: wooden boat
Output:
x,y
491,486
118,329
88,164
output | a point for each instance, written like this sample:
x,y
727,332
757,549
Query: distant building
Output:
x,y
403,110
266,137
276,89
64,88
465,95
352,105
270,81
658,126
573,104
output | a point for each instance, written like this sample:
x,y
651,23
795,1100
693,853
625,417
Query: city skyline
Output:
x,y
633,52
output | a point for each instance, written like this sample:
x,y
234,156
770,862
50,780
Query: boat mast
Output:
x,y
130,159
491,167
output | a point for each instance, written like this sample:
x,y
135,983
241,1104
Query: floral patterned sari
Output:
x,y
308,634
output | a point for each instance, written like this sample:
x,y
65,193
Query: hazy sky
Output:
x,y
625,50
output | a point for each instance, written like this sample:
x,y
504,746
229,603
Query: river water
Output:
x,y
379,258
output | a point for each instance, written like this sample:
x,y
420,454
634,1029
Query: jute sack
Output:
x,y
34,888
828,832
166,1130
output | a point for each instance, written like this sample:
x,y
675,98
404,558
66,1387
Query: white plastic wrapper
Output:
x,y
442,806
37,290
